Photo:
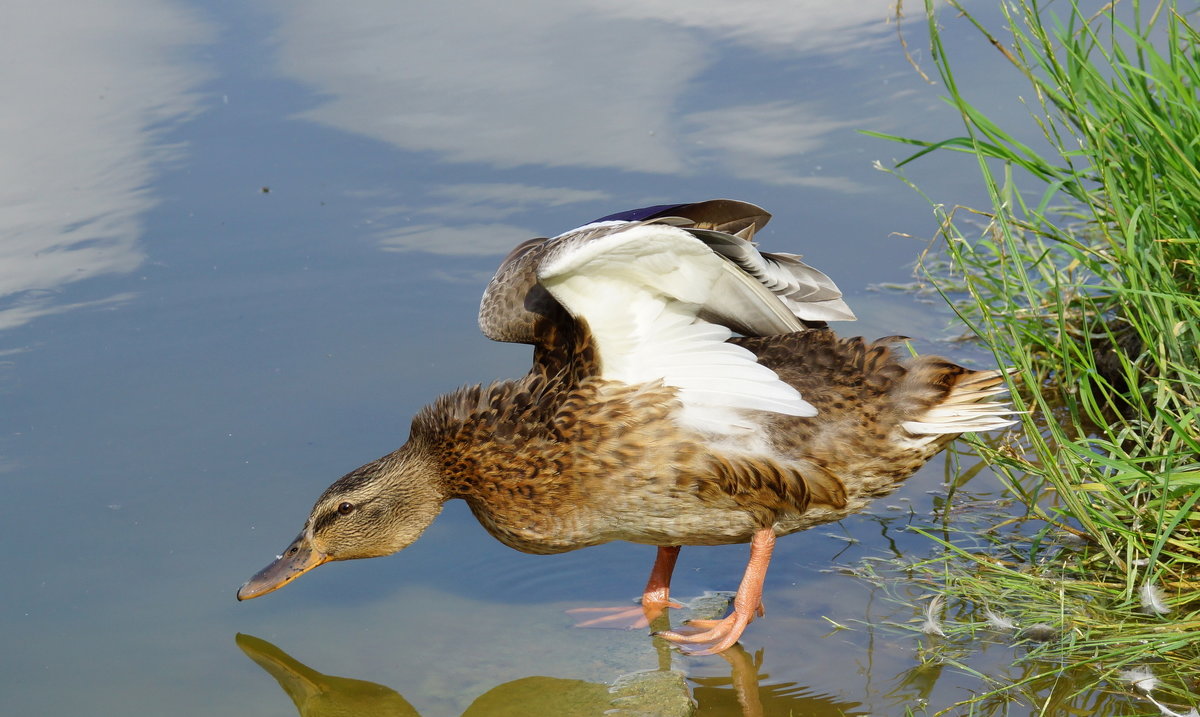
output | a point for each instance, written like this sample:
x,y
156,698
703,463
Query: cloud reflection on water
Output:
x,y
552,84
81,131
621,86
541,83
799,26
475,204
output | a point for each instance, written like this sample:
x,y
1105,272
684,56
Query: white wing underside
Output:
x,y
642,292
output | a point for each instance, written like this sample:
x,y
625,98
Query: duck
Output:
x,y
686,389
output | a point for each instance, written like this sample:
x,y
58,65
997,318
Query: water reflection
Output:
x,y
596,86
477,209
319,695
83,124
748,691
476,86
662,692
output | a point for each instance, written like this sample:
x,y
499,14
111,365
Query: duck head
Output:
x,y
375,510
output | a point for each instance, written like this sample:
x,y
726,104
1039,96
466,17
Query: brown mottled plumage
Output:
x,y
643,420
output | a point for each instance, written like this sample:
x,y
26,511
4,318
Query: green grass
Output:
x,y
1084,276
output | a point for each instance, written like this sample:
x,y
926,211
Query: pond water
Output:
x,y
243,242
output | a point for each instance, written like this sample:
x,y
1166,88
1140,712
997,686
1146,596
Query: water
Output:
x,y
241,243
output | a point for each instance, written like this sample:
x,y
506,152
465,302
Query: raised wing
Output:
x,y
803,297
642,290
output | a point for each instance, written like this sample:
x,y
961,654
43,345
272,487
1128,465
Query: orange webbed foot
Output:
x,y
707,637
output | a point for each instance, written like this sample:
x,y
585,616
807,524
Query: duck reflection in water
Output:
x,y
661,692
645,419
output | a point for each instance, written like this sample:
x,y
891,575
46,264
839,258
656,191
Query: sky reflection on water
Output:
x,y
85,132
240,244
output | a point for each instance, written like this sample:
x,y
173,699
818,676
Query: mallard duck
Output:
x,y
646,419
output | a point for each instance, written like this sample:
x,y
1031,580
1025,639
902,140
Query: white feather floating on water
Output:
x,y
1144,680
932,626
1152,600
1168,712
999,622
1141,678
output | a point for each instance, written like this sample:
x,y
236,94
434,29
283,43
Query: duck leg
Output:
x,y
657,595
713,636
655,598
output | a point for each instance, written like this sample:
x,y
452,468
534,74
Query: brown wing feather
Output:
x,y
514,301
863,393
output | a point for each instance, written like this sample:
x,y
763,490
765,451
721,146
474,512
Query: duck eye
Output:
x,y
346,508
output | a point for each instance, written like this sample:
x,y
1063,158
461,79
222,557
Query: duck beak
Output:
x,y
297,559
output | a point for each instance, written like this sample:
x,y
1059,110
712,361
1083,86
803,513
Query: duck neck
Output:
x,y
478,438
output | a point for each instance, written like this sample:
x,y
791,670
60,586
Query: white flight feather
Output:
x,y
641,292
